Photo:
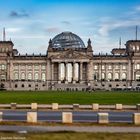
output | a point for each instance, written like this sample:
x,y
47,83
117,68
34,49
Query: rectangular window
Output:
x,y
117,67
43,67
29,66
103,67
109,67
16,67
3,66
96,67
124,67
36,67
22,66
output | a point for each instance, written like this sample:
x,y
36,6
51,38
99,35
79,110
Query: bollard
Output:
x,y
1,114
32,117
103,118
138,107
13,105
95,106
75,106
67,117
34,106
54,106
136,118
118,106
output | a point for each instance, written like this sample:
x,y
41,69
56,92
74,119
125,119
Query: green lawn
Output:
x,y
63,97
71,136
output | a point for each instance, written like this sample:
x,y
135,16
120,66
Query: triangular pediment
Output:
x,y
70,54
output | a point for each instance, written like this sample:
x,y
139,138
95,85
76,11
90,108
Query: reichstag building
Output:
x,y
69,64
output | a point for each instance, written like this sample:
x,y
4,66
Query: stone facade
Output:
x,y
70,65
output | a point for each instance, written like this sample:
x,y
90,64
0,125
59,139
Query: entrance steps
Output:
x,y
71,86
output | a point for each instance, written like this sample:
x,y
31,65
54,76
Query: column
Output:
x,y
99,70
90,71
120,67
113,72
81,72
59,72
48,74
129,70
40,70
8,70
26,73
32,71
73,75
52,71
66,72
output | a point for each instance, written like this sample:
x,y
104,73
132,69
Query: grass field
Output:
x,y
63,97
71,136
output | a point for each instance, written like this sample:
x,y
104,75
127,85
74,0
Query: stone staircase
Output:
x,y
71,86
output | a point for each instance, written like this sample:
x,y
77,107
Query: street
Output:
x,y
78,116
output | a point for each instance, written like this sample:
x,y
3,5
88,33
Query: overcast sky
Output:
x,y
31,23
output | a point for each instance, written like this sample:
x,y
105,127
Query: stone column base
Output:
x,y
67,117
73,82
136,118
66,82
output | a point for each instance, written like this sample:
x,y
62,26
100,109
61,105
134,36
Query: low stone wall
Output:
x,y
56,106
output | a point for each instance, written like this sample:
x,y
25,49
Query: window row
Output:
x,y
137,66
29,76
4,49
135,48
110,67
109,76
16,67
2,77
2,66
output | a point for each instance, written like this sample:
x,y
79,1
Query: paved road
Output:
x,y
78,116
110,129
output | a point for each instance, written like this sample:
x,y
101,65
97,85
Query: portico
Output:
x,y
69,71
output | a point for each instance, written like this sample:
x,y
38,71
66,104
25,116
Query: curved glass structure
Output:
x,y
67,40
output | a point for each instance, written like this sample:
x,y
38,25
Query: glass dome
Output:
x,y
67,40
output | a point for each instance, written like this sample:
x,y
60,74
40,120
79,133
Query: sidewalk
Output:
x,y
110,129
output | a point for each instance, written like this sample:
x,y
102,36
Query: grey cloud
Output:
x,y
53,29
16,14
66,22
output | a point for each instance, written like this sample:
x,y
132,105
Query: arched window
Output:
x,y
96,67
138,48
116,76
3,67
109,76
138,66
15,76
138,76
110,67
2,49
3,77
7,49
22,76
22,85
96,77
123,76
103,67
43,77
103,76
36,76
29,76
